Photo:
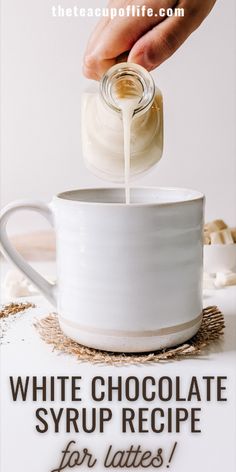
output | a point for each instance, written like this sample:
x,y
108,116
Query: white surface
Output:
x,y
23,353
41,97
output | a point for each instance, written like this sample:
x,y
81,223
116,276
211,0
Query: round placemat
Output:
x,y
211,329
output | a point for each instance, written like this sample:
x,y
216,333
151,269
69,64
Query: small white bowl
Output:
x,y
219,258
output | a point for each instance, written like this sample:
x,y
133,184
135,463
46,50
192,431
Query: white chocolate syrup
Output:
x,y
127,106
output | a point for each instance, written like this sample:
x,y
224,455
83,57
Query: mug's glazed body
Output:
x,y
129,276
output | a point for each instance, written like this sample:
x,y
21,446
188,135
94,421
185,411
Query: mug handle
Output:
x,y
47,288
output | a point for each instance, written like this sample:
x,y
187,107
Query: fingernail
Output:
x,y
142,58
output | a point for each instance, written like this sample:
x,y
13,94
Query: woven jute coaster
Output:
x,y
211,329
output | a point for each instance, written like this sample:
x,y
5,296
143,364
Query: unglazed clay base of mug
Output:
x,y
133,341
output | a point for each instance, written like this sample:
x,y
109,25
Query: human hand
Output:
x,y
147,41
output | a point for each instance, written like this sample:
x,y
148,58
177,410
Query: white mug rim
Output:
x,y
195,195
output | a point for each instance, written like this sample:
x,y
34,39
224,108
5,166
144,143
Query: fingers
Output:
x,y
150,40
88,66
161,42
112,38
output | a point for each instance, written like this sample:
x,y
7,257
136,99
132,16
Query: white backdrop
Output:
x,y
42,84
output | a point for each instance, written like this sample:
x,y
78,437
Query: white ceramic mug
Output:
x,y
129,276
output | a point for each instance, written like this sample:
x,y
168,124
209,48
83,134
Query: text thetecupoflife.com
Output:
x,y
107,12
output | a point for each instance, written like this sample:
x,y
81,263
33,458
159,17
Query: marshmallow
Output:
x,y
221,237
206,238
233,234
16,285
224,279
216,225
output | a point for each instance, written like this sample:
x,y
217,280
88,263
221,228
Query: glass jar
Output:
x,y
102,126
